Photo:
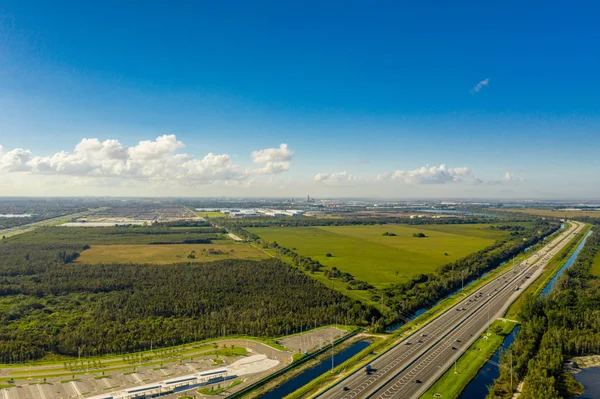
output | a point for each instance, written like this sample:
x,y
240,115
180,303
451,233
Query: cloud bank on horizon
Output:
x,y
157,161
163,162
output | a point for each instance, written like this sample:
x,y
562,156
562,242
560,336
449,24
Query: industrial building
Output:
x,y
169,386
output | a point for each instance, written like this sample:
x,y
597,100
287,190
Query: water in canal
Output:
x,y
310,374
567,264
590,379
478,387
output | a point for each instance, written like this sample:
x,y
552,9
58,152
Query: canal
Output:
x,y
567,264
590,379
478,387
310,374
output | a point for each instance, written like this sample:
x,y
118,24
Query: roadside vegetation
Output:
x,y
553,266
555,327
452,383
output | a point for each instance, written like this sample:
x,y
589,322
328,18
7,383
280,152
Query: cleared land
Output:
x,y
168,253
211,214
368,255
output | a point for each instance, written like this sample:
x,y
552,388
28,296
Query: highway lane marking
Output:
x,y
512,281
463,330
488,299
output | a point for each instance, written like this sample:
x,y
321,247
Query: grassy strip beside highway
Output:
x,y
378,348
451,384
549,272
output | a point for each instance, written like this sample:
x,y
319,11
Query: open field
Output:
x,y
557,213
211,214
169,253
368,255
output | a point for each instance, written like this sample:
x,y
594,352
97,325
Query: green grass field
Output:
x,y
167,253
211,214
364,252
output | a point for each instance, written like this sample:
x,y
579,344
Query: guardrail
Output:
x,y
292,366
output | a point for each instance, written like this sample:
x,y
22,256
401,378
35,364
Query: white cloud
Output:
x,y
480,85
274,160
334,178
431,175
156,161
15,160
511,178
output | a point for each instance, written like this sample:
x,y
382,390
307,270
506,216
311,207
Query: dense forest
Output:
x,y
563,324
49,305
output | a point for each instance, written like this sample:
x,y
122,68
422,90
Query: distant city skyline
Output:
x,y
361,99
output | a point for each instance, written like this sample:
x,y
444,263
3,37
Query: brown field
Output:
x,y
557,213
168,253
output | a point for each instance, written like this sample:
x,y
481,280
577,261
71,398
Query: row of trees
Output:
x,y
351,221
563,324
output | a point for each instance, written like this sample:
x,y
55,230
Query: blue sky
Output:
x,y
371,98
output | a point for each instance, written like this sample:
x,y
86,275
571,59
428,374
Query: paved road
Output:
x,y
409,368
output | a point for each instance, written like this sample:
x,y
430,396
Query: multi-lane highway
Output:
x,y
409,368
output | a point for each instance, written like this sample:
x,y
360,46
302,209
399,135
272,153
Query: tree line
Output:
x,y
563,324
295,221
